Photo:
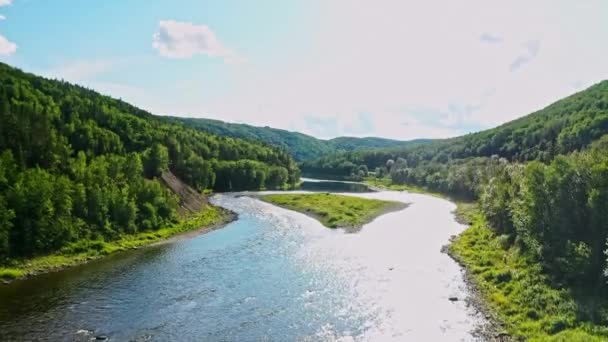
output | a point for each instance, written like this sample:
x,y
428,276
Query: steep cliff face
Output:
x,y
190,200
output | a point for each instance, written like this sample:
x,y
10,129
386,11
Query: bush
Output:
x,y
83,246
10,274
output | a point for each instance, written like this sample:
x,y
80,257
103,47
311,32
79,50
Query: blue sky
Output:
x,y
398,69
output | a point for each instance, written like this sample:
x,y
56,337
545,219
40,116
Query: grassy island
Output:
x,y
335,211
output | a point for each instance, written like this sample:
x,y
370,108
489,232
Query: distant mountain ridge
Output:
x,y
301,146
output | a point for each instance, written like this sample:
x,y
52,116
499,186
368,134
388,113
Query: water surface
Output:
x,y
318,185
272,275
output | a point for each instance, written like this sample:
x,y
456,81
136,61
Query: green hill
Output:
x,y
353,144
300,146
79,166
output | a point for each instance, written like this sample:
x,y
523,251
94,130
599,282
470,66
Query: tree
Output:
x,y
6,224
156,160
362,170
277,177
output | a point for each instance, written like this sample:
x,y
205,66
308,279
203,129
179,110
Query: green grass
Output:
x,y
466,212
335,211
515,288
82,251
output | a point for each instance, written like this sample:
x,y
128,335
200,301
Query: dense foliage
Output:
x,y
301,146
520,295
539,248
76,165
557,212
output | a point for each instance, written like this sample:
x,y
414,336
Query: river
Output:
x,y
271,275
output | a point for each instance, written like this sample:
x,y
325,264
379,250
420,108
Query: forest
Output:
x,y
557,212
77,166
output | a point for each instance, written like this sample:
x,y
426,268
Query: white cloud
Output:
x,y
184,40
7,47
4,3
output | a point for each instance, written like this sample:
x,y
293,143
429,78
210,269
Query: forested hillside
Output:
x,y
301,146
76,165
451,165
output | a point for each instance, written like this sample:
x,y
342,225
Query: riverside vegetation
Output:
x,y
515,287
335,211
537,245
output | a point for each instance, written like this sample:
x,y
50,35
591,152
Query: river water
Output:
x,y
272,275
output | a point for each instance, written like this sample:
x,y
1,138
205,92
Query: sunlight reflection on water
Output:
x,y
391,274
273,274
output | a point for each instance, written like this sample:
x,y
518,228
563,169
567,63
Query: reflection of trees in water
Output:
x,y
334,186
52,297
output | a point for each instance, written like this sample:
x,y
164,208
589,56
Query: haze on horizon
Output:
x,y
395,69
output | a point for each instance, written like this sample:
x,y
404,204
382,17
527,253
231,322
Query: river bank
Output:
x,y
209,219
507,287
515,294
494,329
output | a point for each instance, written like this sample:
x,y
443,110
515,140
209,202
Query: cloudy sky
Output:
x,y
398,69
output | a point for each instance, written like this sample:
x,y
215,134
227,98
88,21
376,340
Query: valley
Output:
x,y
97,191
